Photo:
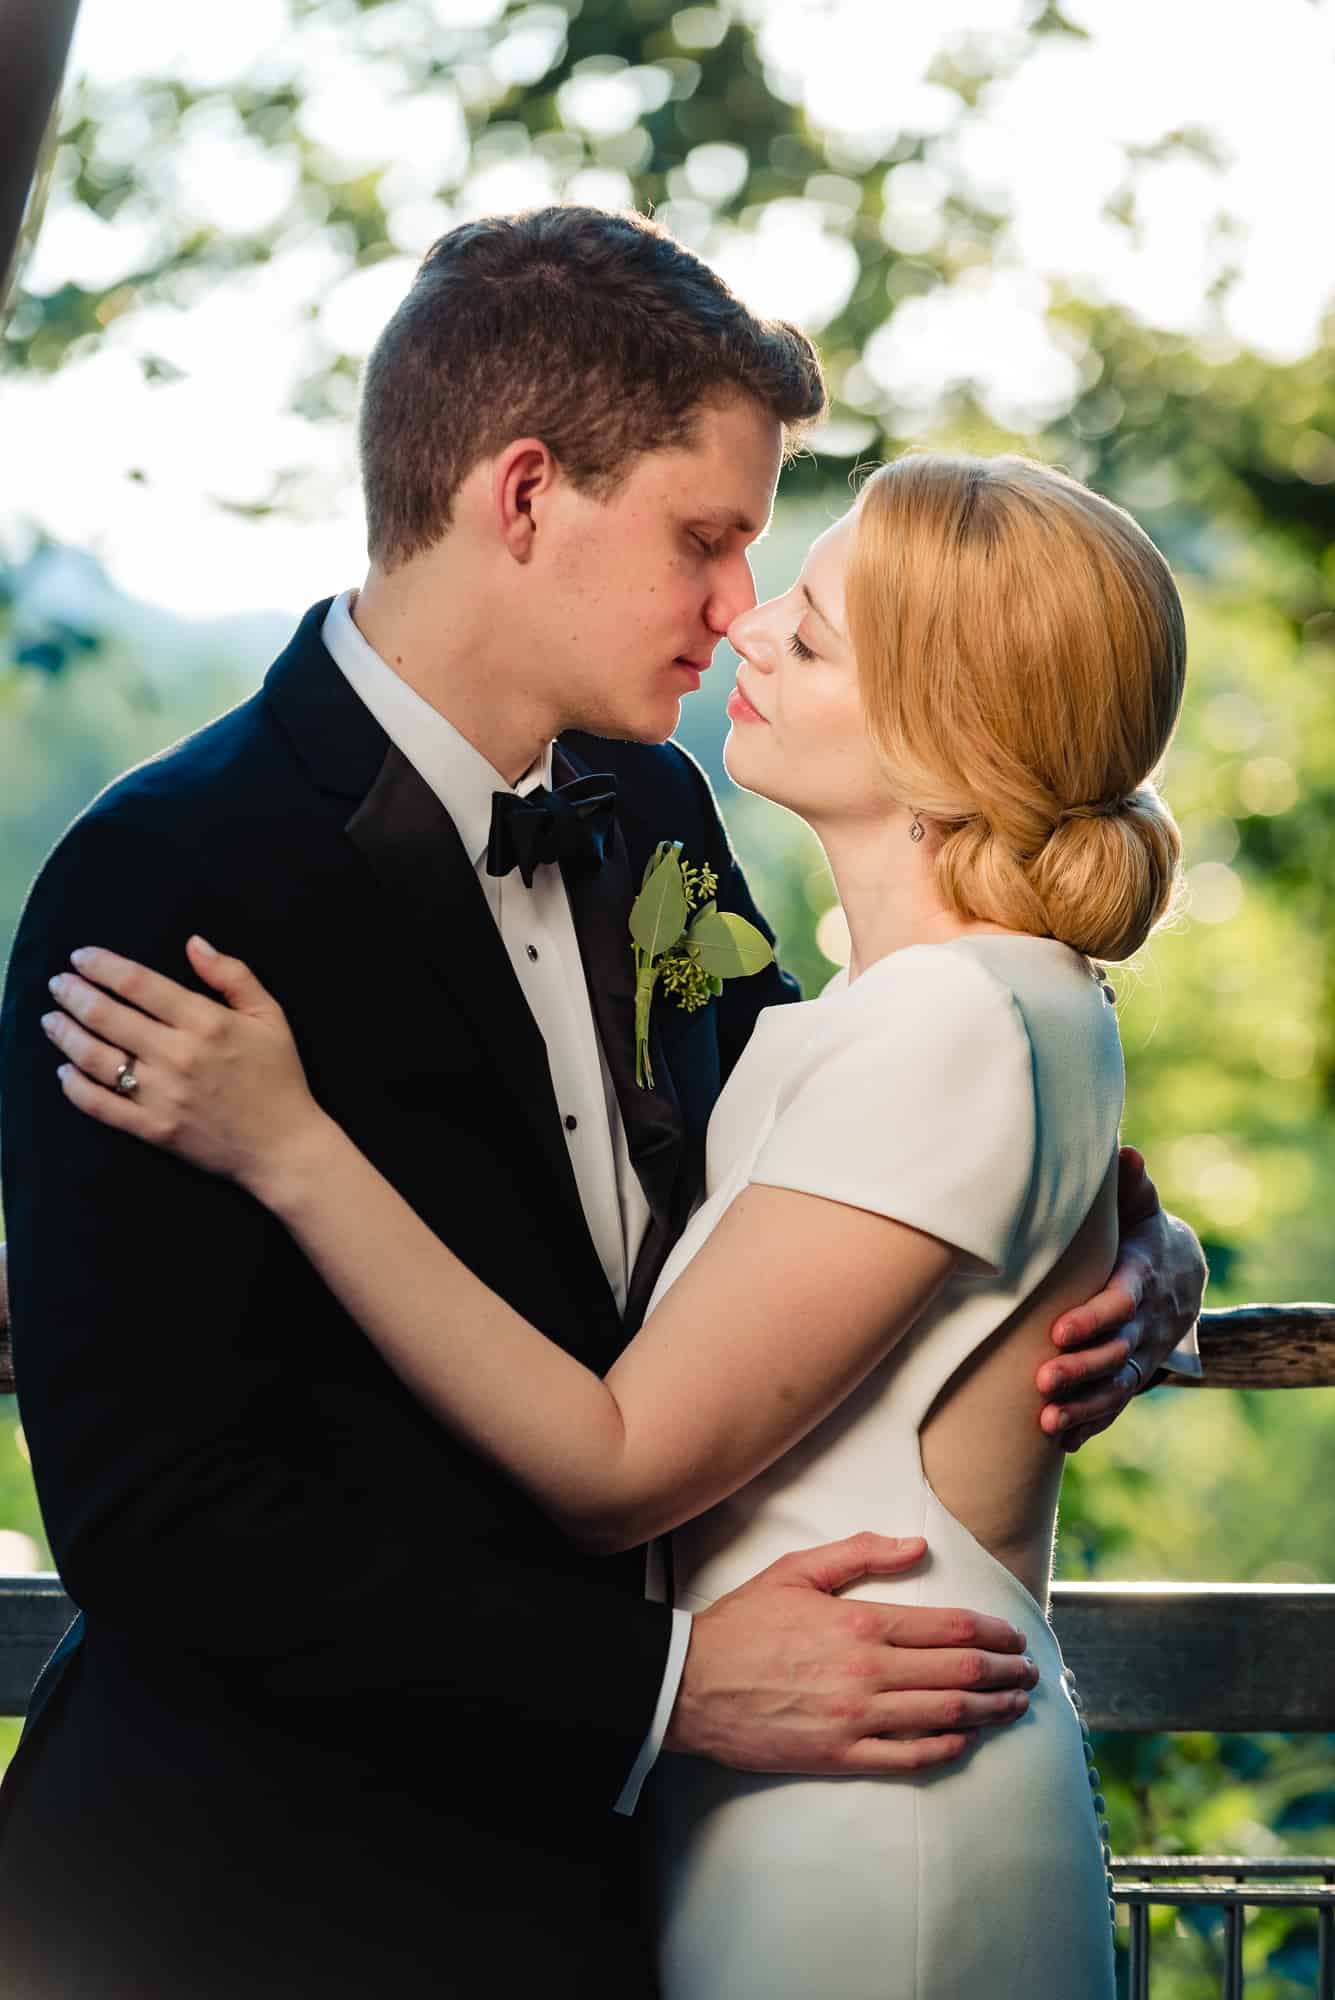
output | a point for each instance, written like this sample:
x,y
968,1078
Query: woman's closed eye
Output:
x,y
798,647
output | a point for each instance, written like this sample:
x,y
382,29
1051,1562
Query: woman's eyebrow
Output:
x,y
820,614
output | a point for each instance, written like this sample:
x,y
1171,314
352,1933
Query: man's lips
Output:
x,y
692,669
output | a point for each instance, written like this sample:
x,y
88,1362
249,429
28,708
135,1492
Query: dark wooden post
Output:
x,y
34,45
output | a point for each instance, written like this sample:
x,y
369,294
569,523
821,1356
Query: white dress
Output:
x,y
974,1090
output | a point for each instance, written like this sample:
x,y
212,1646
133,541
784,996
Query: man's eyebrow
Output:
x,y
727,517
824,619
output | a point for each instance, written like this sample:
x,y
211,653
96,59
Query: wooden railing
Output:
x,y
1242,1347
1147,1656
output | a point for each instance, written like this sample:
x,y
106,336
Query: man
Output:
x,y
343,1712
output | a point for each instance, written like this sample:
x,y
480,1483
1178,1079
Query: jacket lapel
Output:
x,y
600,903
405,834
398,825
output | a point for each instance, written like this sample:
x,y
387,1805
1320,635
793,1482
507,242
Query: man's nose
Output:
x,y
734,594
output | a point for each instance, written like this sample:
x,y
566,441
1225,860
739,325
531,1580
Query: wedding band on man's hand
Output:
x,y
126,1080
1132,1362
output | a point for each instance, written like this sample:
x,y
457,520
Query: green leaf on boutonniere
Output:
x,y
727,945
658,914
693,961
663,847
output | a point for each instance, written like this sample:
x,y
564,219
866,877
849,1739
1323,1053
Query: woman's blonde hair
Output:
x,y
1021,650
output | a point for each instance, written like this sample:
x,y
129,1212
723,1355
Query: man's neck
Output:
x,y
452,671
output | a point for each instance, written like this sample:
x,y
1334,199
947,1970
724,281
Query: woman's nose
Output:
x,y
747,635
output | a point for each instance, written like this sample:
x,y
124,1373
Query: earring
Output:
x,y
917,830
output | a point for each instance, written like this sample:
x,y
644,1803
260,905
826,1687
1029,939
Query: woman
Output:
x,y
966,694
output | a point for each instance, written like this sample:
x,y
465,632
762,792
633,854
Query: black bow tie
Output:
x,y
570,823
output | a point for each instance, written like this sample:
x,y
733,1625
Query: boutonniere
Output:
x,y
682,937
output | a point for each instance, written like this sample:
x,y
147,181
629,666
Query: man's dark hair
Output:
x,y
594,331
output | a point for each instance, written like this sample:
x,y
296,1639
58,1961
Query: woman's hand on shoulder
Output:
x,y
219,1085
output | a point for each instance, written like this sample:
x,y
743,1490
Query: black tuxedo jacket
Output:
x,y
344,1711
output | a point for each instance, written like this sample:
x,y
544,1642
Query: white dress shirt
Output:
x,y
538,933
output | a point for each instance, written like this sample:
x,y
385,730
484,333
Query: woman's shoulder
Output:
x,y
922,1019
978,1017
935,990
1059,997
974,979
913,1097
938,1083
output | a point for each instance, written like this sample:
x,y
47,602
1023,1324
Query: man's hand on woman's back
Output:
x,y
1115,1344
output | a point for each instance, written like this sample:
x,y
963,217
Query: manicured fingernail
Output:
x,y
55,982
204,945
81,956
1020,1701
49,1022
66,1069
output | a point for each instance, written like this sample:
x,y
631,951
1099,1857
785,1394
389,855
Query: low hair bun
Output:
x,y
1106,879
1099,881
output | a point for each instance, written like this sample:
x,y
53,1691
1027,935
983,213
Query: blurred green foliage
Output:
x,y
1226,457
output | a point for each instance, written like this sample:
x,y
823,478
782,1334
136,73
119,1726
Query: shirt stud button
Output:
x,y
571,1121
532,951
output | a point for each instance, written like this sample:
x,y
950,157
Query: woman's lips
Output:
x,y
741,710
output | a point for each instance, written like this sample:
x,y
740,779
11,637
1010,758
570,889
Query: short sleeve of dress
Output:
x,y
915,1099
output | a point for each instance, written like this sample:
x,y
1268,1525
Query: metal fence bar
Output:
x,y
1139,1982
1233,1921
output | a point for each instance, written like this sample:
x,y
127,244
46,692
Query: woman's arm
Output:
x,y
751,1347
748,1351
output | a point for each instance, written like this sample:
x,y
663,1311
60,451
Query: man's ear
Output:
x,y
523,477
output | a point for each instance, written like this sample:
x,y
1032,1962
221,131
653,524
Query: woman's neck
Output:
x,y
886,885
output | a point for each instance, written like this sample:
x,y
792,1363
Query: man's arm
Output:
x,y
1118,1342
